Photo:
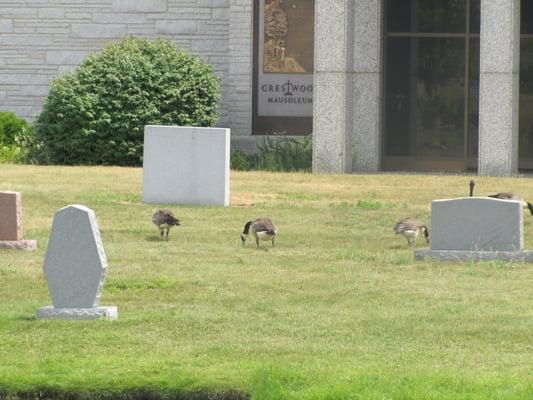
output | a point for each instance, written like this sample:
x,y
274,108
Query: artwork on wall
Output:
x,y
284,61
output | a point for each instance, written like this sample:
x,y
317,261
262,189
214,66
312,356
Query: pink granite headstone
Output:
x,y
11,223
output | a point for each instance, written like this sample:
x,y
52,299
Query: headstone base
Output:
x,y
18,244
105,312
453,255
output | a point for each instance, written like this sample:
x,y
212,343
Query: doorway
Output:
x,y
431,85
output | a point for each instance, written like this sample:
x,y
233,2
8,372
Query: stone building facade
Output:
x,y
428,86
40,39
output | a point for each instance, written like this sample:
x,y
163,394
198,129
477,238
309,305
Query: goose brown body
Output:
x,y
410,228
165,219
506,196
515,197
261,229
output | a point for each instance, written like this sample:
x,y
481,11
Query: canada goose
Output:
x,y
165,219
410,228
506,196
513,196
261,228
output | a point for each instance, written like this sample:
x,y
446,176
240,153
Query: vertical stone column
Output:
x,y
347,101
333,103
499,87
239,97
367,67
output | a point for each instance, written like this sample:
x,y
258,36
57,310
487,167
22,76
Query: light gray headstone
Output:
x,y
75,266
186,165
476,224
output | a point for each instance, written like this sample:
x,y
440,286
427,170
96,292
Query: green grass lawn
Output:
x,y
338,310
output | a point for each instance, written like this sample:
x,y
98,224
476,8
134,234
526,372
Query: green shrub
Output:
x,y
15,138
9,153
277,154
240,161
11,127
97,114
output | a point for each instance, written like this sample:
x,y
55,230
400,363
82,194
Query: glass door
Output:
x,y
431,85
525,147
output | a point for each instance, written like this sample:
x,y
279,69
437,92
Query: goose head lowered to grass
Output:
x,y
261,229
410,228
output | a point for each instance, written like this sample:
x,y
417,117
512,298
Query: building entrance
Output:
x,y
431,85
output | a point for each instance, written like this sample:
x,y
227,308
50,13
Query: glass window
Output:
x,y
526,98
443,16
527,17
475,16
473,101
425,97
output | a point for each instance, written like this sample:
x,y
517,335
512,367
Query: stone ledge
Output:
x,y
105,312
454,255
18,244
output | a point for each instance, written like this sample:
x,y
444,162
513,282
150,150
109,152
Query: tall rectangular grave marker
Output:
x,y
186,165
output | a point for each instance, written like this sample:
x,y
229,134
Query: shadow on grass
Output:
x,y
133,394
154,239
25,318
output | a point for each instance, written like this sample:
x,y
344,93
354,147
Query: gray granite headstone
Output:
x,y
75,266
476,223
476,228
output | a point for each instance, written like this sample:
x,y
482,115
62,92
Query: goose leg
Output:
x,y
161,232
168,229
257,241
272,242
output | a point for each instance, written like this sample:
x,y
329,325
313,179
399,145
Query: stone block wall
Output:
x,y
40,39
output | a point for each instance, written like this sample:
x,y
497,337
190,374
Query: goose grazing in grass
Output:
x,y
261,229
513,196
410,228
472,184
165,219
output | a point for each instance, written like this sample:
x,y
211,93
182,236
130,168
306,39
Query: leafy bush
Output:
x,y
15,138
11,127
9,153
277,154
240,161
97,114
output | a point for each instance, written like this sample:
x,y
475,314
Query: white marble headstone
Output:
x,y
75,266
186,165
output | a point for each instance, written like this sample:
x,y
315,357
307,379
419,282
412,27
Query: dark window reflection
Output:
x,y
475,16
425,97
473,101
526,98
527,17
444,16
